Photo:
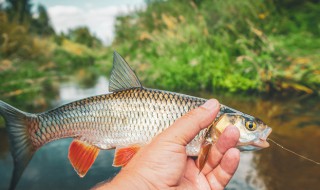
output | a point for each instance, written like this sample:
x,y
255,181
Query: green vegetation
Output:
x,y
250,46
34,59
238,46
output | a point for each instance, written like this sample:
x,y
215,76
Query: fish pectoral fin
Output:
x,y
82,155
123,155
203,155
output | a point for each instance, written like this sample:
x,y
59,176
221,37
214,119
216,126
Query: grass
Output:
x,y
235,46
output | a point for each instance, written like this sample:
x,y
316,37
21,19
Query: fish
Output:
x,y
125,119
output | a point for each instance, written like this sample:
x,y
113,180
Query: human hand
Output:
x,y
164,164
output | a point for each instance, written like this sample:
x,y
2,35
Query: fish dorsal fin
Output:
x,y
122,76
82,155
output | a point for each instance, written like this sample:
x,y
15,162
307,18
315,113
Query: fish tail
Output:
x,y
21,145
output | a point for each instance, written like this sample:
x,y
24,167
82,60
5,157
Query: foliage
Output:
x,y
19,11
16,43
232,45
20,32
32,63
41,25
83,36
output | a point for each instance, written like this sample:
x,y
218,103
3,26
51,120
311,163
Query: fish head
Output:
x,y
253,134
253,131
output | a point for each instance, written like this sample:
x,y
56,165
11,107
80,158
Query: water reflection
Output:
x,y
70,91
295,124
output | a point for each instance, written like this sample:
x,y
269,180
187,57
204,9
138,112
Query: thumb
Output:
x,y
184,129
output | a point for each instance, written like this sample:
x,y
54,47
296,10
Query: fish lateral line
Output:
x,y
292,152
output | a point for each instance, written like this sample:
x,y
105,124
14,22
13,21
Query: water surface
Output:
x,y
295,123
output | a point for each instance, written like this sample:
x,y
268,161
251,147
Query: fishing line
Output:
x,y
299,155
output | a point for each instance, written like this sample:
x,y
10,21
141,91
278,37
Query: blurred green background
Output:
x,y
258,56
250,47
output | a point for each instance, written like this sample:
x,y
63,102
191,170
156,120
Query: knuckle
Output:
x,y
196,112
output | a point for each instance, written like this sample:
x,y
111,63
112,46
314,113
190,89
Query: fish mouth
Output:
x,y
262,143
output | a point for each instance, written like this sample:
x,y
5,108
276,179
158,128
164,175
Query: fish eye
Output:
x,y
251,126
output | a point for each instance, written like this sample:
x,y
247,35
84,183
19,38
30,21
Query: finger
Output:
x,y
222,174
228,139
189,125
192,176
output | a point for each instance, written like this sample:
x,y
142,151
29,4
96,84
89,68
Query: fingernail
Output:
x,y
210,104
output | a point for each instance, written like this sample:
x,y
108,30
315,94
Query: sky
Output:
x,y
98,15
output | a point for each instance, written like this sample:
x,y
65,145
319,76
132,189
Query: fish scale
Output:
x,y
118,119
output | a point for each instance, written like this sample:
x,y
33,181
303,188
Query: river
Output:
x,y
295,122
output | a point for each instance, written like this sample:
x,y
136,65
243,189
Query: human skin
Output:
x,y
164,164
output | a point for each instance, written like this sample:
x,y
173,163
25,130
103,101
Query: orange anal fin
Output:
x,y
123,155
82,155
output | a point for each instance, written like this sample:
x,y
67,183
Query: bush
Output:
x,y
231,45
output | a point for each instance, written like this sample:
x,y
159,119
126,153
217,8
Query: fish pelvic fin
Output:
x,y
206,146
203,155
82,155
123,155
122,76
21,145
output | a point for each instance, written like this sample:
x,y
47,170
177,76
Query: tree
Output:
x,y
41,25
83,36
19,11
